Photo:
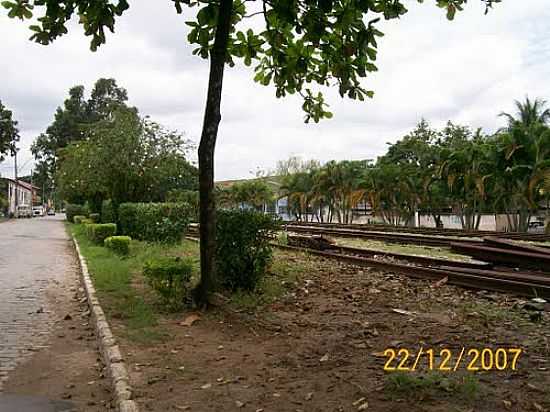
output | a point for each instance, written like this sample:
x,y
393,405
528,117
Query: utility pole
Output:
x,y
32,191
16,183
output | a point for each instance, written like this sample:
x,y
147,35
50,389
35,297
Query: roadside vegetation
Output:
x,y
455,169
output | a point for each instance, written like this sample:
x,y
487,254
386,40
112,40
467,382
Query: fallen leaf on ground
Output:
x,y
404,312
206,386
440,282
538,407
324,358
363,407
358,401
190,319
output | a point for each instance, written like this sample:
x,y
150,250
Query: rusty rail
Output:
x,y
403,238
477,279
427,230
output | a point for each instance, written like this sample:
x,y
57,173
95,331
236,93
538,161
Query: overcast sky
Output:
x,y
467,71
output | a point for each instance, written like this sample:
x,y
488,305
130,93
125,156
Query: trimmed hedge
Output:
x,y
118,244
95,217
75,210
156,222
108,214
98,232
169,277
243,247
79,219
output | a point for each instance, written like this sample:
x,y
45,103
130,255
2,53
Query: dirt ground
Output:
x,y
319,348
68,367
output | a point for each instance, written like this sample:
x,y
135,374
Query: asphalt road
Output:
x,y
34,255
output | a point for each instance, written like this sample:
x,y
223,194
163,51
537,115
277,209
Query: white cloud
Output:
x,y
467,70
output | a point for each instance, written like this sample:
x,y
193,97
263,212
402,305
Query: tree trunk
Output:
x,y
212,117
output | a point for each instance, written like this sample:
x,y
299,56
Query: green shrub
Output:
x,y
98,232
118,244
243,250
169,277
95,217
75,210
189,197
108,214
79,219
156,222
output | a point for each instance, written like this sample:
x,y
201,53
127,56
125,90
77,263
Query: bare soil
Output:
x,y
318,348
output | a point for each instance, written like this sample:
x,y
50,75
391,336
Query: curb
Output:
x,y
110,352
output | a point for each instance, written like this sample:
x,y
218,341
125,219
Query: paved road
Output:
x,y
34,254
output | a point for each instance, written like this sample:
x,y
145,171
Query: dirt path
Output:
x,y
47,348
319,348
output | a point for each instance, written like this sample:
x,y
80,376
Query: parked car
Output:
x,y
38,211
23,211
536,226
51,212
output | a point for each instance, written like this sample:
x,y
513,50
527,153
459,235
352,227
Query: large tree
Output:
x,y
9,134
125,159
70,122
296,44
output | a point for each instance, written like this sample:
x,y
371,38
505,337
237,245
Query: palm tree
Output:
x,y
528,113
524,158
524,164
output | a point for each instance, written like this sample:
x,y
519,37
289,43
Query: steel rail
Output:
x,y
386,237
427,230
475,280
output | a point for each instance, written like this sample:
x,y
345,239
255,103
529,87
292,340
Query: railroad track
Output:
x,y
389,237
425,231
527,275
466,274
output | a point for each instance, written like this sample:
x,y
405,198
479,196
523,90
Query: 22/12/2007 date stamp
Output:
x,y
447,360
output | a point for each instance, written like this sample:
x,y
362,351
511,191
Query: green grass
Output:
x,y
486,313
282,277
431,385
125,295
120,285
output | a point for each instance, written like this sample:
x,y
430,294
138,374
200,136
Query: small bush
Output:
x,y
282,238
118,244
169,277
79,219
95,217
108,212
98,232
189,197
156,222
75,210
243,250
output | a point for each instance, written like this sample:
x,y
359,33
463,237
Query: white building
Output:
x,y
20,193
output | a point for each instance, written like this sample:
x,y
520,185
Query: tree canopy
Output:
x,y
9,133
125,159
70,123
452,170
